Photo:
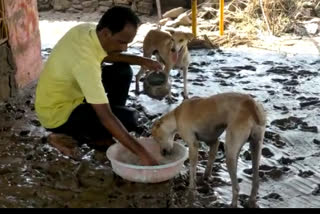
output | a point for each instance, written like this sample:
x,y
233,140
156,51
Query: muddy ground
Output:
x,y
34,174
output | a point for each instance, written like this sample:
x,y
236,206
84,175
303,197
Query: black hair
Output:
x,y
116,18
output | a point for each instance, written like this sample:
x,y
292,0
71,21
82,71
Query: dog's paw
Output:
x,y
234,204
171,100
205,179
191,195
194,204
184,95
178,75
137,92
252,204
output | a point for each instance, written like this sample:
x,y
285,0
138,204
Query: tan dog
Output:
x,y
170,49
205,119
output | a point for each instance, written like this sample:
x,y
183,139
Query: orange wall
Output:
x,y
24,39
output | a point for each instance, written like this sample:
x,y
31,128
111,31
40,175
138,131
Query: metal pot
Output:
x,y
156,85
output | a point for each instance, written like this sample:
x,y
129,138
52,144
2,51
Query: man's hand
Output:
x,y
146,63
115,127
148,160
149,64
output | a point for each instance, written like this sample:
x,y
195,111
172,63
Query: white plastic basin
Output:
x,y
126,164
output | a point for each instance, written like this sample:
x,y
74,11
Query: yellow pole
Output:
x,y
194,18
221,23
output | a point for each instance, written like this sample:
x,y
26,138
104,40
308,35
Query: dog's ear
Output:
x,y
157,123
195,97
171,31
190,36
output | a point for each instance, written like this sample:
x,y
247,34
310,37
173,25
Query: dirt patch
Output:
x,y
33,174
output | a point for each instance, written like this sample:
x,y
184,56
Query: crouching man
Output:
x,y
80,100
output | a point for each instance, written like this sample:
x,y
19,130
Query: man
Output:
x,y
75,97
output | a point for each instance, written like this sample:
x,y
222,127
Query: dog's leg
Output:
x,y
138,77
185,91
193,156
212,156
167,70
255,147
193,145
235,138
146,53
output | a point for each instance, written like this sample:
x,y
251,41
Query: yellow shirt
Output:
x,y
72,73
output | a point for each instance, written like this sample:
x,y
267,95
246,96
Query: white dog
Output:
x,y
170,48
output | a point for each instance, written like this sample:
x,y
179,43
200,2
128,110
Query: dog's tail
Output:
x,y
257,111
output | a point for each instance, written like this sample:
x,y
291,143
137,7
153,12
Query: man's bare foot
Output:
x,y
65,144
102,144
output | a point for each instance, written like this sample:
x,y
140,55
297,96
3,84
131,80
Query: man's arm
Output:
x,y
134,60
115,127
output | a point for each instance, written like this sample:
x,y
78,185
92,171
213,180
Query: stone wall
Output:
x,y
89,6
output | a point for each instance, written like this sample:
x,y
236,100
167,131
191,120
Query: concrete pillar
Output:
x,y
24,39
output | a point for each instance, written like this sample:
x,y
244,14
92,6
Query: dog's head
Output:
x,y
181,39
172,50
163,131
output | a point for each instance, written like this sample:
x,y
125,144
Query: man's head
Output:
x,y
117,28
